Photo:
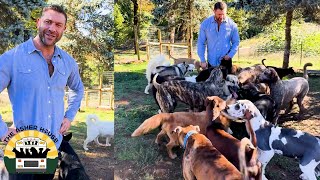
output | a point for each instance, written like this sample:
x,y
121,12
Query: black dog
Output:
x,y
204,74
282,72
70,165
263,102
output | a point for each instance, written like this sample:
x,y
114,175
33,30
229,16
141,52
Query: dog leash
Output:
x,y
187,136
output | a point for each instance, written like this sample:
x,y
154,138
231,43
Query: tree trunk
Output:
x,y
135,24
287,48
190,30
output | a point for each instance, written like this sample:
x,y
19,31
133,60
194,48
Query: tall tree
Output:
x,y
175,14
267,11
17,21
89,36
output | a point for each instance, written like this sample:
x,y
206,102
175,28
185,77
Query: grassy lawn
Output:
x,y
141,158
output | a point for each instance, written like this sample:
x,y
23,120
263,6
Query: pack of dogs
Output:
x,y
253,96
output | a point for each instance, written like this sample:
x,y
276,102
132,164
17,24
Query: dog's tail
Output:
x,y
150,124
305,72
91,119
154,81
262,61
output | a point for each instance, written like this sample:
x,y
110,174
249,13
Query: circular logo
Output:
x,y
31,152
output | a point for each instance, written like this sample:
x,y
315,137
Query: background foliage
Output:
x,y
89,36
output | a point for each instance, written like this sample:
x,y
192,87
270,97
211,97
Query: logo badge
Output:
x,y
31,152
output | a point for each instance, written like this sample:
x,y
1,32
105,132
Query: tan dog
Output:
x,y
169,121
201,160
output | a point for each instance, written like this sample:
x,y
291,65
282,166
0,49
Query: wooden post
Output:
x,y
148,50
301,53
87,98
238,54
160,41
111,97
100,89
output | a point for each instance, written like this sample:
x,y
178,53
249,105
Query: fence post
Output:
x,y
100,89
301,53
238,53
111,97
148,50
160,41
87,98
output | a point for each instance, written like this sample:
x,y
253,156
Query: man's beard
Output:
x,y
219,20
42,34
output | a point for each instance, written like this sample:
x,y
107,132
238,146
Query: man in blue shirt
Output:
x,y
219,34
35,74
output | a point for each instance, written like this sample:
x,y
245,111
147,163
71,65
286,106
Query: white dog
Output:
x,y
96,128
4,175
159,60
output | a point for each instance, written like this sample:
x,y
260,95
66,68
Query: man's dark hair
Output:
x,y
56,8
220,5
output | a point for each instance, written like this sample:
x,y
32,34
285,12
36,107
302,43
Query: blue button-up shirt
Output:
x,y
36,98
219,43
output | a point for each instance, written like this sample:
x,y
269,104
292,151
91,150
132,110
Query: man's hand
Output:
x,y
203,65
11,132
226,57
66,123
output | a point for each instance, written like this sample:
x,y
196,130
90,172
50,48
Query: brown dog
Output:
x,y
231,147
200,159
169,121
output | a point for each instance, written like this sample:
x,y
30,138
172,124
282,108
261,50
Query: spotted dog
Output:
x,y
284,91
283,141
194,94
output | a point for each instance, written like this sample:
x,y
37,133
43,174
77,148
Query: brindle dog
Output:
x,y
194,94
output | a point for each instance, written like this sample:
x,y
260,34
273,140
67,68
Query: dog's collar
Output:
x,y
187,136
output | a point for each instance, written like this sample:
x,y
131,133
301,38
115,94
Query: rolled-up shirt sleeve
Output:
x,y
235,40
201,44
75,94
4,82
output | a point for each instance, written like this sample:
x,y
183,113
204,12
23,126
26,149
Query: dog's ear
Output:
x,y
67,137
248,114
274,75
177,130
209,107
197,128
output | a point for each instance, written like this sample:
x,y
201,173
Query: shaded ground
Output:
x,y
141,158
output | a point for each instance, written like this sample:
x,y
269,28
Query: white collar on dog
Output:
x,y
187,136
